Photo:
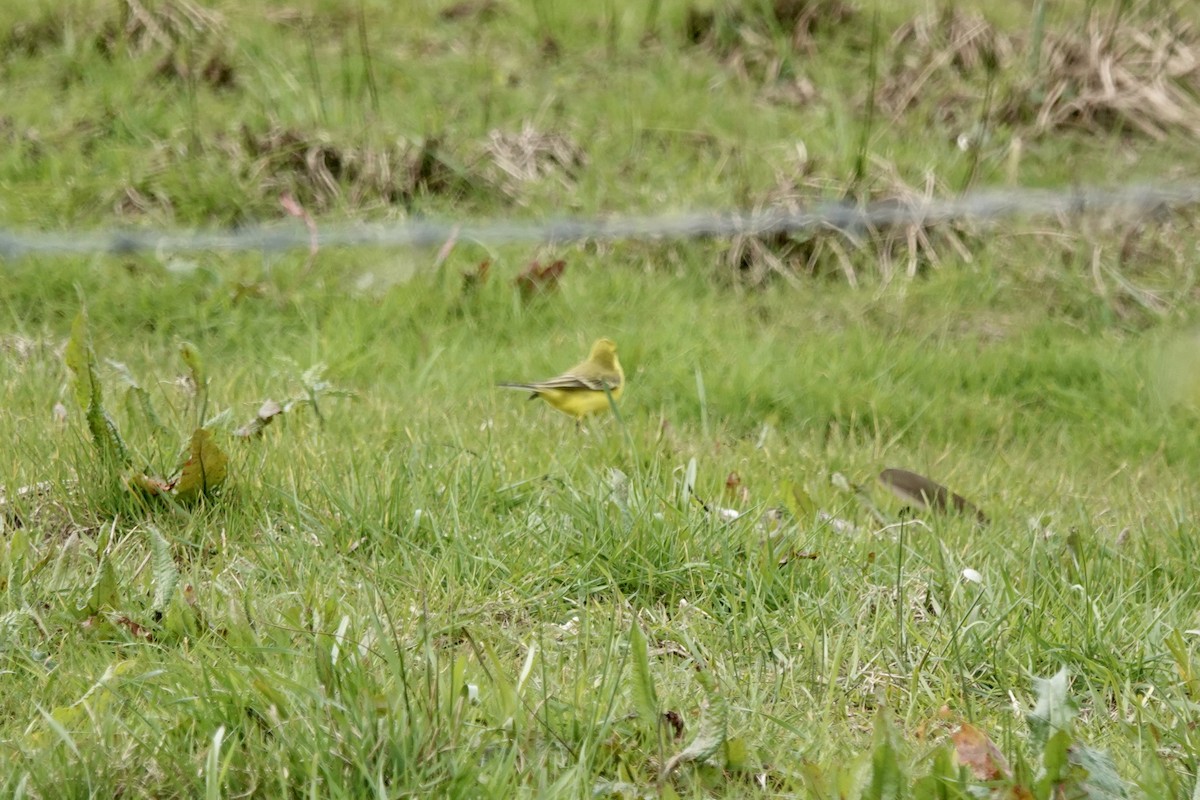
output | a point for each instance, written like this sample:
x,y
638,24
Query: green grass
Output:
x,y
429,587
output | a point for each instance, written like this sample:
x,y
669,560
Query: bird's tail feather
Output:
x,y
525,386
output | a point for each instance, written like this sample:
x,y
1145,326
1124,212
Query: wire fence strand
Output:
x,y
1132,202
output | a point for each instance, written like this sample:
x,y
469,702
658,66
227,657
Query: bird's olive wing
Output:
x,y
572,380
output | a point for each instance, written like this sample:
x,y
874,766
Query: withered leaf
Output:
x,y
979,754
147,484
267,412
537,280
135,630
205,468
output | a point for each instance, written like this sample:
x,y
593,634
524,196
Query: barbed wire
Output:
x,y
1135,202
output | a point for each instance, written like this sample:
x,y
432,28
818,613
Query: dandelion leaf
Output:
x,y
711,735
205,468
81,360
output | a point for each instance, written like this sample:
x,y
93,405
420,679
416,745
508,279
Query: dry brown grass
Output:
x,y
140,27
1126,74
760,46
323,172
885,250
512,160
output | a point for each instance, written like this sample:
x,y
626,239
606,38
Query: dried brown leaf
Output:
x,y
538,280
980,755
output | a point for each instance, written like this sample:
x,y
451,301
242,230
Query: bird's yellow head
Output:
x,y
604,353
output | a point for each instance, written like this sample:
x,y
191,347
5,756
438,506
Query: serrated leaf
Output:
x,y
1056,762
205,468
82,363
12,623
714,724
103,539
193,361
166,574
1101,781
1055,710
104,591
644,696
18,548
887,779
138,395
105,434
81,360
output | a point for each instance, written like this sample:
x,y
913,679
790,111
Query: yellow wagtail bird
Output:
x,y
584,388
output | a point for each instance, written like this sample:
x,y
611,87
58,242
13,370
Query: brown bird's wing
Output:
x,y
914,488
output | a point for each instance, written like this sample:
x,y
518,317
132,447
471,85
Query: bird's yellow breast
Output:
x,y
580,402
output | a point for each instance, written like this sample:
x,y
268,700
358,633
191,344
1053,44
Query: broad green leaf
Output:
x,y
644,696
797,501
59,728
714,724
943,778
1055,710
166,574
504,688
737,755
104,591
205,468
182,617
1100,781
887,779
1056,763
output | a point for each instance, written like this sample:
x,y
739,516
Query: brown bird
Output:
x,y
925,493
